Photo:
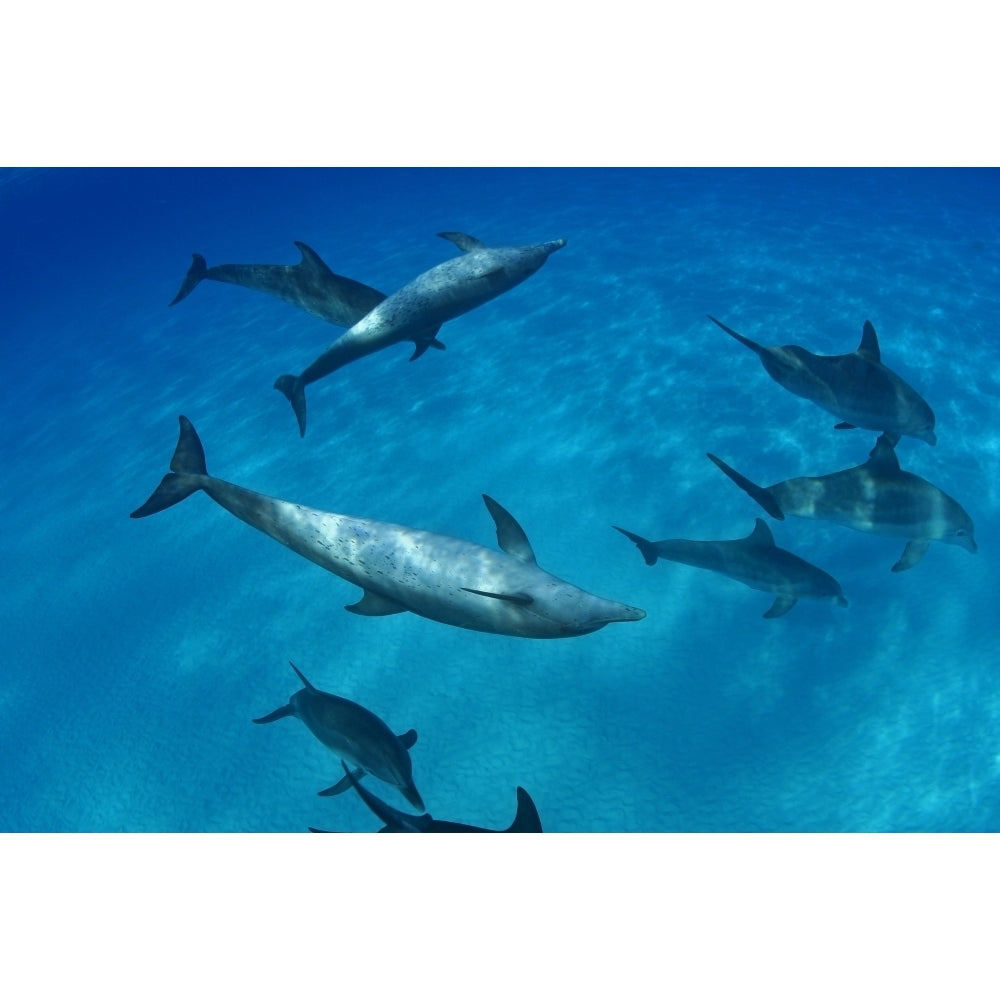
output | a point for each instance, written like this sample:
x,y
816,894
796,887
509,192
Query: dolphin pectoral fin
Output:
x,y
463,241
527,819
424,340
341,786
196,272
294,390
278,713
510,535
521,599
408,738
646,547
759,493
782,605
868,348
845,426
912,554
374,605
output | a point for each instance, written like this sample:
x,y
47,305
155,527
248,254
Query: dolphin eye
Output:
x,y
961,532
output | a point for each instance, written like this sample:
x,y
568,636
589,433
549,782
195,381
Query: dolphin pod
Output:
x,y
417,311
856,387
354,734
526,820
877,497
399,569
754,560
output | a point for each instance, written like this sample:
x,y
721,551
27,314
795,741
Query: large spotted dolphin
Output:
x,y
354,734
310,285
754,560
418,309
526,820
856,387
445,579
877,497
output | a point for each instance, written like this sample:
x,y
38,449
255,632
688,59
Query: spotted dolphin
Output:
x,y
856,387
754,560
355,735
526,820
448,580
877,497
309,285
418,309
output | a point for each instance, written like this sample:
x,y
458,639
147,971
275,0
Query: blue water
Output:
x,y
137,651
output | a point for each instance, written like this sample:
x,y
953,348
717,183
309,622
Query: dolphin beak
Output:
x,y
553,246
630,614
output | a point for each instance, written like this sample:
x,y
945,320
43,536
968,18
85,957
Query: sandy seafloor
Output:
x,y
136,652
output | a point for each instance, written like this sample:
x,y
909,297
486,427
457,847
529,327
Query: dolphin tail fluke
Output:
x,y
527,819
759,493
646,547
746,341
186,468
196,272
294,390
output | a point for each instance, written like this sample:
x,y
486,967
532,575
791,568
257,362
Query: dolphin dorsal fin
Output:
x,y
868,348
761,534
302,677
882,457
510,535
463,241
311,260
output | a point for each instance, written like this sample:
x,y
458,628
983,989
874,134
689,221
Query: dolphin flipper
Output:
x,y
912,554
759,493
782,605
278,713
341,786
463,241
374,605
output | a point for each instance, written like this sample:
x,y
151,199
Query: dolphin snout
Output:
x,y
630,614
553,245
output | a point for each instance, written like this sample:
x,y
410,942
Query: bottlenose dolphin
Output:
x,y
856,387
403,569
418,309
355,735
876,497
526,820
310,285
754,560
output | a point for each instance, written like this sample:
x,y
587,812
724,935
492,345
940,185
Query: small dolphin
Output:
x,y
310,285
754,560
354,734
876,497
404,569
525,821
856,387
418,309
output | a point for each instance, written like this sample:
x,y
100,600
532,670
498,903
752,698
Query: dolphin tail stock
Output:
x,y
746,341
186,469
294,390
527,819
758,493
196,272
646,547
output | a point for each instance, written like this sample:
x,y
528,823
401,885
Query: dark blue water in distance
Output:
x,y
138,651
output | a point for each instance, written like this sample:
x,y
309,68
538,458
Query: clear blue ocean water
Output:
x,y
137,651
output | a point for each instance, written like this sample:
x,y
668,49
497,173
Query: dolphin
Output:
x,y
354,734
418,309
403,569
876,497
310,285
754,560
856,387
526,819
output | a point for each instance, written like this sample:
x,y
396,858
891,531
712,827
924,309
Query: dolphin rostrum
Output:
x,y
876,497
418,309
526,819
355,735
754,560
404,569
310,285
856,387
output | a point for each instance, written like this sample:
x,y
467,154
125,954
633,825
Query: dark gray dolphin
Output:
x,y
310,285
418,309
755,561
404,569
526,819
877,497
355,735
856,387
